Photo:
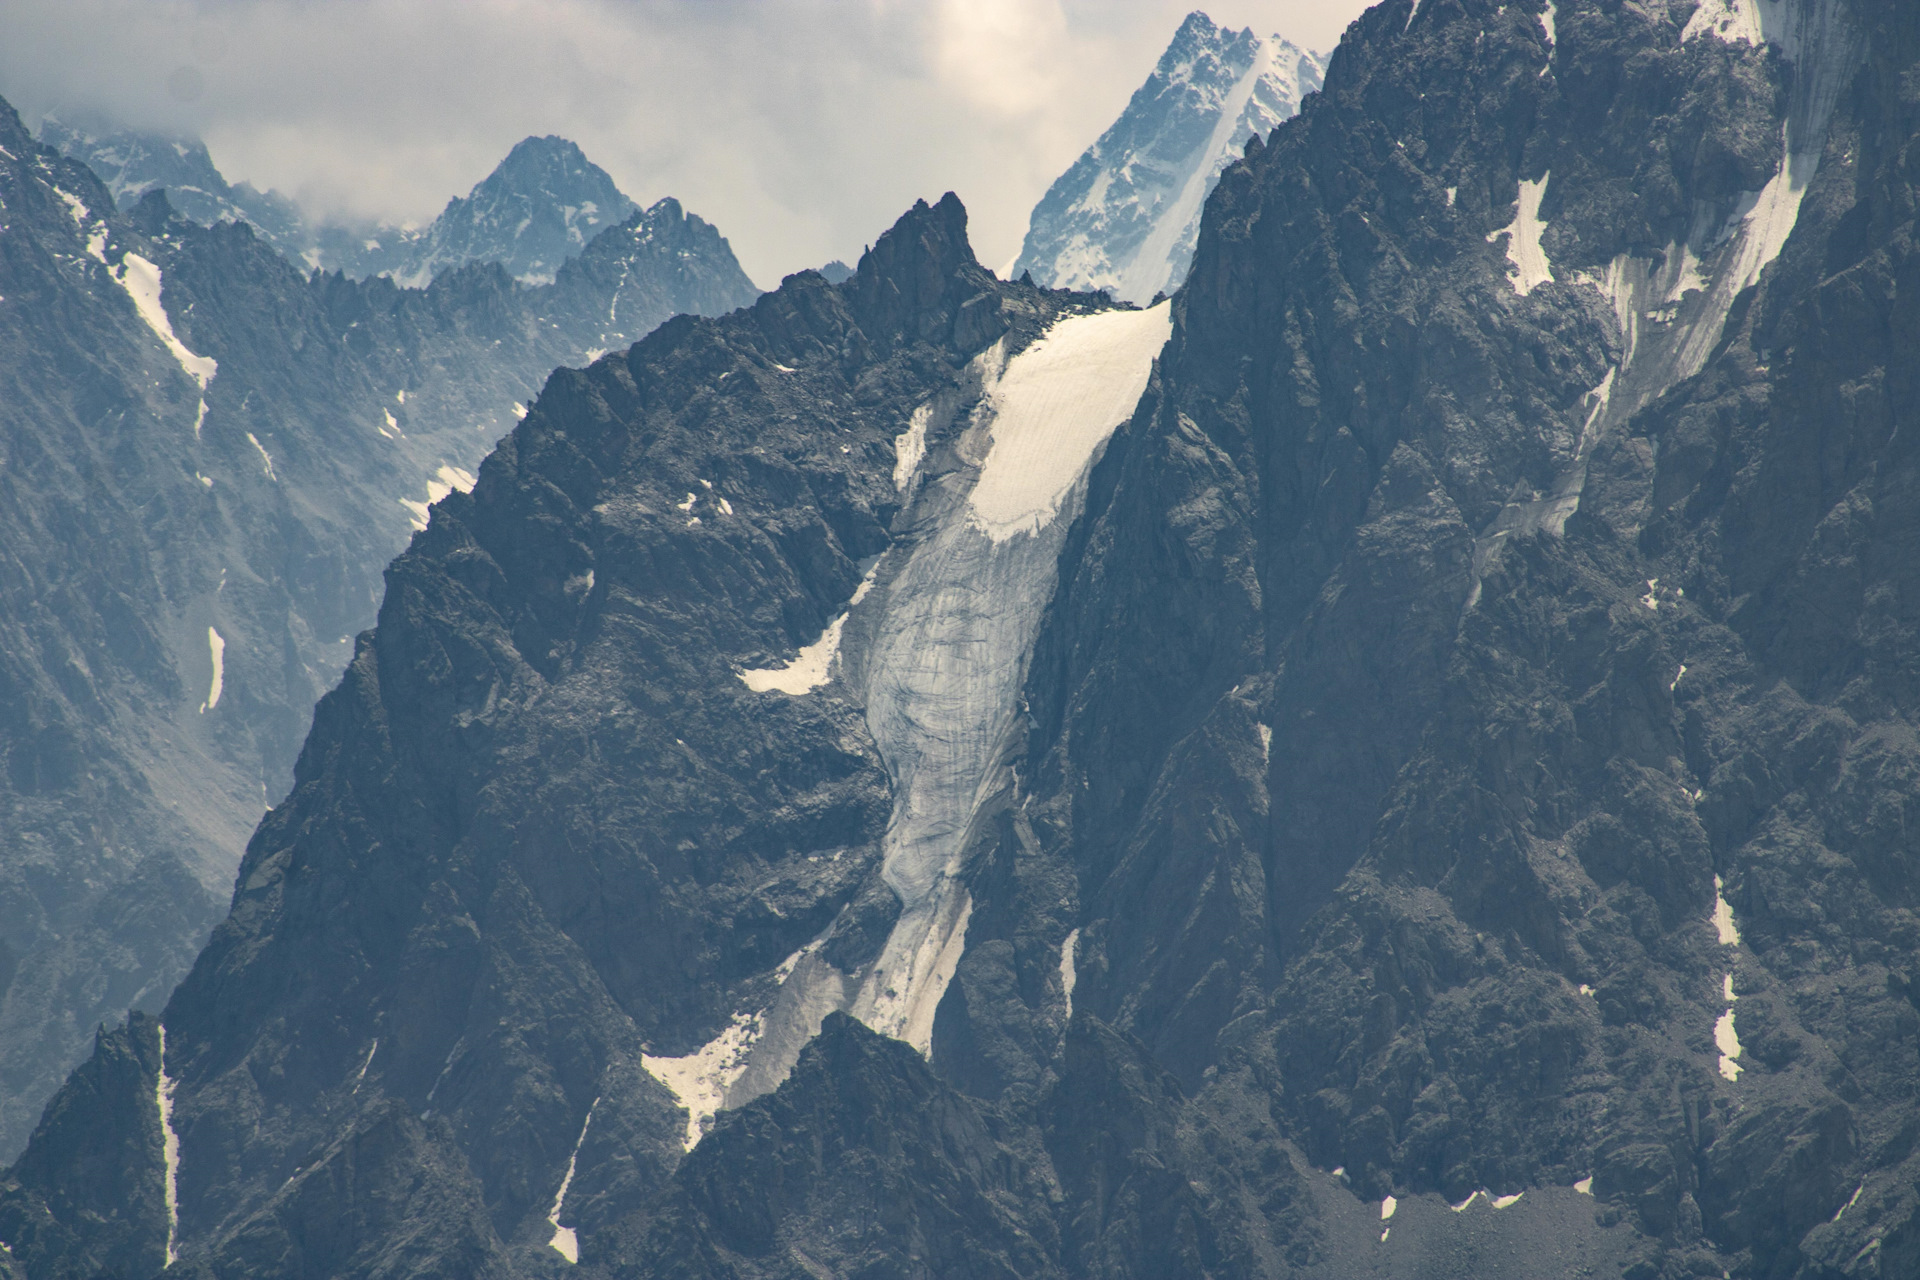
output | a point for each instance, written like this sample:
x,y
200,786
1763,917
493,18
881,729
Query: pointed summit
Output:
x,y
1126,216
920,275
538,208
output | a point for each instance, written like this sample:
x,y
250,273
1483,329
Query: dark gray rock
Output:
x,y
133,522
1460,646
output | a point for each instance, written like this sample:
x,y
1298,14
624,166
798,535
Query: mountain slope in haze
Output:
x,y
1421,790
1125,217
539,208
208,459
131,163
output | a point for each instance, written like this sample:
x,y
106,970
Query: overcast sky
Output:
x,y
802,128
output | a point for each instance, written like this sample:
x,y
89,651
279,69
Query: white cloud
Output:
x,y
801,128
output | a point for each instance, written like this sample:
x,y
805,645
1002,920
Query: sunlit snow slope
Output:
x,y
1126,216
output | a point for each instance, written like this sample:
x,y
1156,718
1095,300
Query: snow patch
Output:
x,y
1056,403
813,666
699,1081
1723,915
445,480
1585,1185
141,279
1727,20
1530,266
1675,684
200,418
1503,1202
1387,1207
704,1081
1851,1201
163,1087
1548,19
1266,743
75,209
1462,1206
361,1075
519,411
1727,1041
217,650
909,447
901,999
266,459
1067,975
564,1242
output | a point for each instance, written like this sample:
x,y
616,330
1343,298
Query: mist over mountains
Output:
x,y
539,207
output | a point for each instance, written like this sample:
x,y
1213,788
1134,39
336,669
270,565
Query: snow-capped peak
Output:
x,y
538,208
1126,216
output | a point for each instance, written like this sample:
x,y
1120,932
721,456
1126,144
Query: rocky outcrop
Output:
x,y
1445,816
531,865
208,457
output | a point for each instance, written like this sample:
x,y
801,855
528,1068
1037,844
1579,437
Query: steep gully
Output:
x,y
944,626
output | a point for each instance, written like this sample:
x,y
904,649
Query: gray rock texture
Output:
x,y
149,519
1453,824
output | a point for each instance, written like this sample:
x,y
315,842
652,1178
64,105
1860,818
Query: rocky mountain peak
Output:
x,y
919,274
539,207
1126,216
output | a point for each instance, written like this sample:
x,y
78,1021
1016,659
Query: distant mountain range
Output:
x,y
207,458
537,209
1126,216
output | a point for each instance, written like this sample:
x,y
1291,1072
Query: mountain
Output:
x,y
1125,217
132,163
1393,762
539,208
207,459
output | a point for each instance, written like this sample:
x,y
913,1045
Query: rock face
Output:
x,y
207,459
1448,818
1126,216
